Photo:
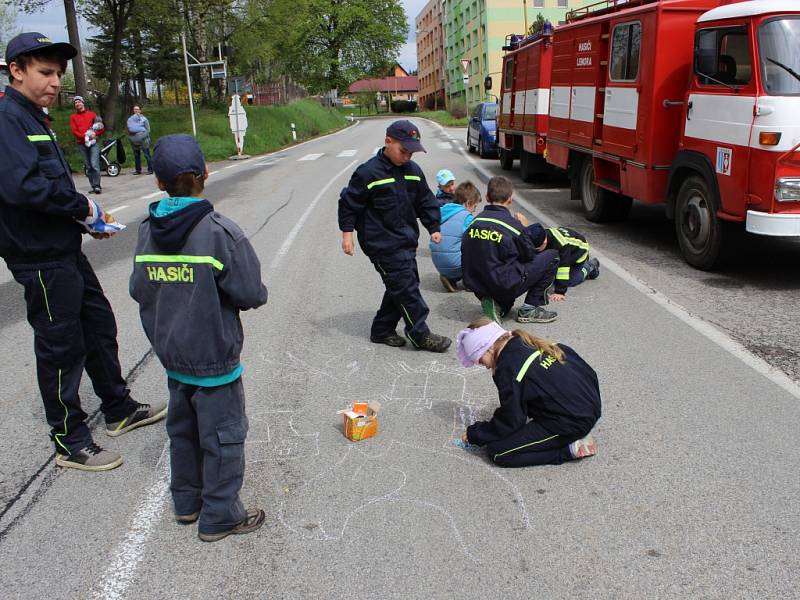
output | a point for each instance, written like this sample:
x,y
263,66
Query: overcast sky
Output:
x,y
51,23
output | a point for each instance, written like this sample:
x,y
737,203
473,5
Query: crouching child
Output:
x,y
194,271
549,397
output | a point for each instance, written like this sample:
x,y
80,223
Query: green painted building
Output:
x,y
475,32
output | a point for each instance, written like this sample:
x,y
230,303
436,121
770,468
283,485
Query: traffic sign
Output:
x,y
465,65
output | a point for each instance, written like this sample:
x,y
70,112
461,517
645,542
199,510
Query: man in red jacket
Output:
x,y
80,122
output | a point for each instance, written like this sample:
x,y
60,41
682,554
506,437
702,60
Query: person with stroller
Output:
x,y
81,122
139,137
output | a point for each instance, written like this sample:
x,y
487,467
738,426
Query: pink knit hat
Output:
x,y
471,344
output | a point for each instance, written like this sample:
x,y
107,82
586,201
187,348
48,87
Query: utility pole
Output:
x,y
188,83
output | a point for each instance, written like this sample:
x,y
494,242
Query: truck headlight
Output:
x,y
787,189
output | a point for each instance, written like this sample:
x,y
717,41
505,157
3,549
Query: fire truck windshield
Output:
x,y
780,61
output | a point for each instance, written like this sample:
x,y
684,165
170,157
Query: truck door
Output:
x,y
621,108
720,108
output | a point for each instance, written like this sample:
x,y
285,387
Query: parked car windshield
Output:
x,y
490,112
780,61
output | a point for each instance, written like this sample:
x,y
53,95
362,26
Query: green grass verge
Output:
x,y
268,128
443,117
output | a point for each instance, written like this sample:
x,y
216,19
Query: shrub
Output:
x,y
458,108
402,106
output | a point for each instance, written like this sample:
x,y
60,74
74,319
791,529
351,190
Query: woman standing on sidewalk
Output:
x,y
139,136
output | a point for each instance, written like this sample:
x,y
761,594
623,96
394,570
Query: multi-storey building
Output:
x,y
430,56
475,32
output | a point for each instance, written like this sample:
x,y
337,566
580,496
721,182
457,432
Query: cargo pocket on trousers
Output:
x,y
231,449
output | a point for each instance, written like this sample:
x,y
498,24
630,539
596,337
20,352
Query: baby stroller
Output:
x,y
112,167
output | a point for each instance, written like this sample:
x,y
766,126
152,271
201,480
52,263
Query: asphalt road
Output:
x,y
693,494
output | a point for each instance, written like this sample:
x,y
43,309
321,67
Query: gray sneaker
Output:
x,y
143,415
253,521
592,268
90,458
537,314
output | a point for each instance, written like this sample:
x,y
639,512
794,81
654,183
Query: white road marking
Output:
x,y
345,153
128,554
213,173
153,195
293,233
444,145
230,167
311,156
117,208
701,326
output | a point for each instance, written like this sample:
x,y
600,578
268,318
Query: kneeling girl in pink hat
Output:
x,y
549,397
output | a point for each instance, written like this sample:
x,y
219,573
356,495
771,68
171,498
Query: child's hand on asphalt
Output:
x,y
522,219
557,297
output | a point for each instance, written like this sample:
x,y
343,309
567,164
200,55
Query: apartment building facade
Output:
x,y
430,55
474,31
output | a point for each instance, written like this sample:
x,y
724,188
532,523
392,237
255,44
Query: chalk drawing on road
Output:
x,y
283,440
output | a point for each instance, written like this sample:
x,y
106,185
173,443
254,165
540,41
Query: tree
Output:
x,y
327,44
8,24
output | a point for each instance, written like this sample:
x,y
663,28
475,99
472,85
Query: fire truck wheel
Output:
x,y
700,232
599,204
530,165
506,160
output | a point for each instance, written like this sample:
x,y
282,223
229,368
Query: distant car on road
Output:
x,y
481,132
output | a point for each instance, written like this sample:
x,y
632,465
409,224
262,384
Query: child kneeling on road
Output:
x,y
500,261
546,382
456,218
193,273
574,264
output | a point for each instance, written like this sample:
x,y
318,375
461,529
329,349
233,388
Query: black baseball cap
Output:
x,y
407,134
33,41
175,155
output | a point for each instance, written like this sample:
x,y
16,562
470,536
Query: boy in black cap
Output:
x,y
500,261
382,202
42,217
574,264
193,273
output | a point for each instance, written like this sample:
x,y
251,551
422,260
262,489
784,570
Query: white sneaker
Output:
x,y
583,448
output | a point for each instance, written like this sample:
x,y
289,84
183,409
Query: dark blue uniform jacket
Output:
x,y
38,200
573,250
494,251
382,203
562,398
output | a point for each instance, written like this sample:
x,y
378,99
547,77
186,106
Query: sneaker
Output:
x,y
449,285
393,340
434,343
90,458
188,519
150,172
583,448
137,173
143,415
537,314
253,521
491,309
592,268
97,190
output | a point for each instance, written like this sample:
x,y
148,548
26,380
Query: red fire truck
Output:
x,y
693,103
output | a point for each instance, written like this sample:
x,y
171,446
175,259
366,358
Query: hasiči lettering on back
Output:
x,y
182,274
485,234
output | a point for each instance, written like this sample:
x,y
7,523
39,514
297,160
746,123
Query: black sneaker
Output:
x,y
592,268
434,343
90,458
137,173
188,519
393,340
253,521
143,415
97,190
537,314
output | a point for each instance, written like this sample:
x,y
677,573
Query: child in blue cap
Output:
x,y
194,272
447,186
456,218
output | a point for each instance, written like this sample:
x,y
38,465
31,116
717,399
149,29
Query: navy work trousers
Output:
x,y
531,445
401,300
207,427
540,273
73,328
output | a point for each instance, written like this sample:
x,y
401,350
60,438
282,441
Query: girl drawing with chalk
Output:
x,y
549,397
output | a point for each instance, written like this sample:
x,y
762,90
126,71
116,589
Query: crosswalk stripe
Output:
x,y
444,145
344,153
310,157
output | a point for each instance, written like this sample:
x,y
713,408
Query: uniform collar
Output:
x,y
497,208
389,164
18,97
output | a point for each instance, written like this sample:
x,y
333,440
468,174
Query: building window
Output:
x,y
562,3
625,44
538,3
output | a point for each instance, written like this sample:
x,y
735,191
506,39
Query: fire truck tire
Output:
x,y
599,204
701,234
506,160
530,165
